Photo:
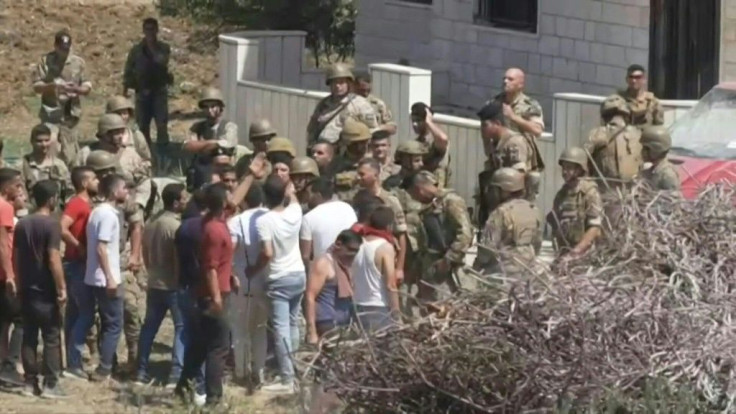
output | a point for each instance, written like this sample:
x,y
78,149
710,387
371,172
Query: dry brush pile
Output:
x,y
641,324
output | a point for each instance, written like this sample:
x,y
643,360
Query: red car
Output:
x,y
704,141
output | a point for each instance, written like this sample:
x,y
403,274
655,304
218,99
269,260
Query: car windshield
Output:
x,y
708,130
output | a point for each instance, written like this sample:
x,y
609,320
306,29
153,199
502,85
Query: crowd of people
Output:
x,y
256,240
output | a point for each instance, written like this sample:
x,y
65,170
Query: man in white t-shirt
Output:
x,y
278,231
250,305
102,280
324,222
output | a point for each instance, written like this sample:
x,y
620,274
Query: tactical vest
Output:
x,y
525,222
200,169
568,214
618,153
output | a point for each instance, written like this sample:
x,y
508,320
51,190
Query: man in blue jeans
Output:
x,y
159,256
102,281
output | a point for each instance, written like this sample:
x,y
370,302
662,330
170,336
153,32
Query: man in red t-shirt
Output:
x,y
11,190
73,225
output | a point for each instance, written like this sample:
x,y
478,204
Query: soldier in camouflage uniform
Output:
x,y
410,159
330,115
512,236
614,147
644,107
42,164
61,81
362,86
522,113
381,152
280,154
662,175
576,216
302,172
134,137
435,141
260,133
355,136
445,236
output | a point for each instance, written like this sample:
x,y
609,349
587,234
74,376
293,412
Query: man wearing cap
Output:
x,y
355,136
147,73
41,164
60,80
363,86
332,111
522,113
134,137
435,140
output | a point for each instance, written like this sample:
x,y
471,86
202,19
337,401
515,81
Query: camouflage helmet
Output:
x,y
304,165
109,122
280,144
656,139
260,129
100,160
355,131
409,148
338,70
508,179
211,94
615,104
575,155
118,103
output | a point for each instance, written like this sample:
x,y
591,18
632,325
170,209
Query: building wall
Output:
x,y
580,46
727,68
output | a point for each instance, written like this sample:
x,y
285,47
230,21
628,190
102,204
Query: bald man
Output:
x,y
523,114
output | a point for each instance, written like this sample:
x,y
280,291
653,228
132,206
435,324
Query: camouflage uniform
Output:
x,y
59,109
388,170
383,114
53,169
662,177
645,111
412,210
525,107
330,115
576,208
435,161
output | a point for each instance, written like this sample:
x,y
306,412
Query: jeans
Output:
x,y
157,304
41,314
211,344
285,297
188,309
249,319
153,105
74,273
111,320
10,318
373,318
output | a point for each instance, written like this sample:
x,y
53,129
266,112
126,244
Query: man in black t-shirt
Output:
x,y
42,287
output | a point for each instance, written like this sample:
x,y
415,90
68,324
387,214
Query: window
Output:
x,y
508,14
418,1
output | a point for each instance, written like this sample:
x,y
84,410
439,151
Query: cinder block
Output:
x,y
547,24
465,33
513,58
549,45
614,55
535,63
613,34
575,28
560,26
586,72
621,14
590,31
461,52
567,48
441,29
639,56
442,49
582,50
595,11
456,71
609,75
640,38
546,64
462,12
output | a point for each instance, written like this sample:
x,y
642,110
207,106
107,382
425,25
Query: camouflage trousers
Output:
x,y
134,308
435,285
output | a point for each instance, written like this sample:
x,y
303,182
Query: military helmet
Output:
x,y
656,139
211,94
355,131
409,148
304,165
261,128
109,122
509,179
280,144
118,103
100,160
338,70
615,104
575,155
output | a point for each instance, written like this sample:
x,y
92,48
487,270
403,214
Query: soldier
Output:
x,y
512,235
435,140
134,137
662,175
381,151
147,73
260,133
302,172
323,154
355,135
41,164
331,112
447,234
211,135
576,216
410,159
614,147
644,107
522,113
362,86
61,81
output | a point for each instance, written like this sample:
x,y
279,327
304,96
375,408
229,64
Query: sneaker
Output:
x,y
10,375
98,376
53,393
279,388
76,374
30,390
200,399
143,380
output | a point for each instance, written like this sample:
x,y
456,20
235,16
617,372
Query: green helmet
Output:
x,y
355,131
615,104
118,103
509,179
304,165
409,148
100,160
211,94
338,70
280,144
109,122
656,139
575,155
261,128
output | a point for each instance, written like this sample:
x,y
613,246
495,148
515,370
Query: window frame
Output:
x,y
532,28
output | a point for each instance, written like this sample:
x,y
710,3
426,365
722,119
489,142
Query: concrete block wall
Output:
x,y
727,68
580,46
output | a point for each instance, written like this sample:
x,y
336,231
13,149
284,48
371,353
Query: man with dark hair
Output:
x,y
36,248
323,154
11,190
645,108
103,281
42,163
381,152
159,256
362,86
226,175
435,141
